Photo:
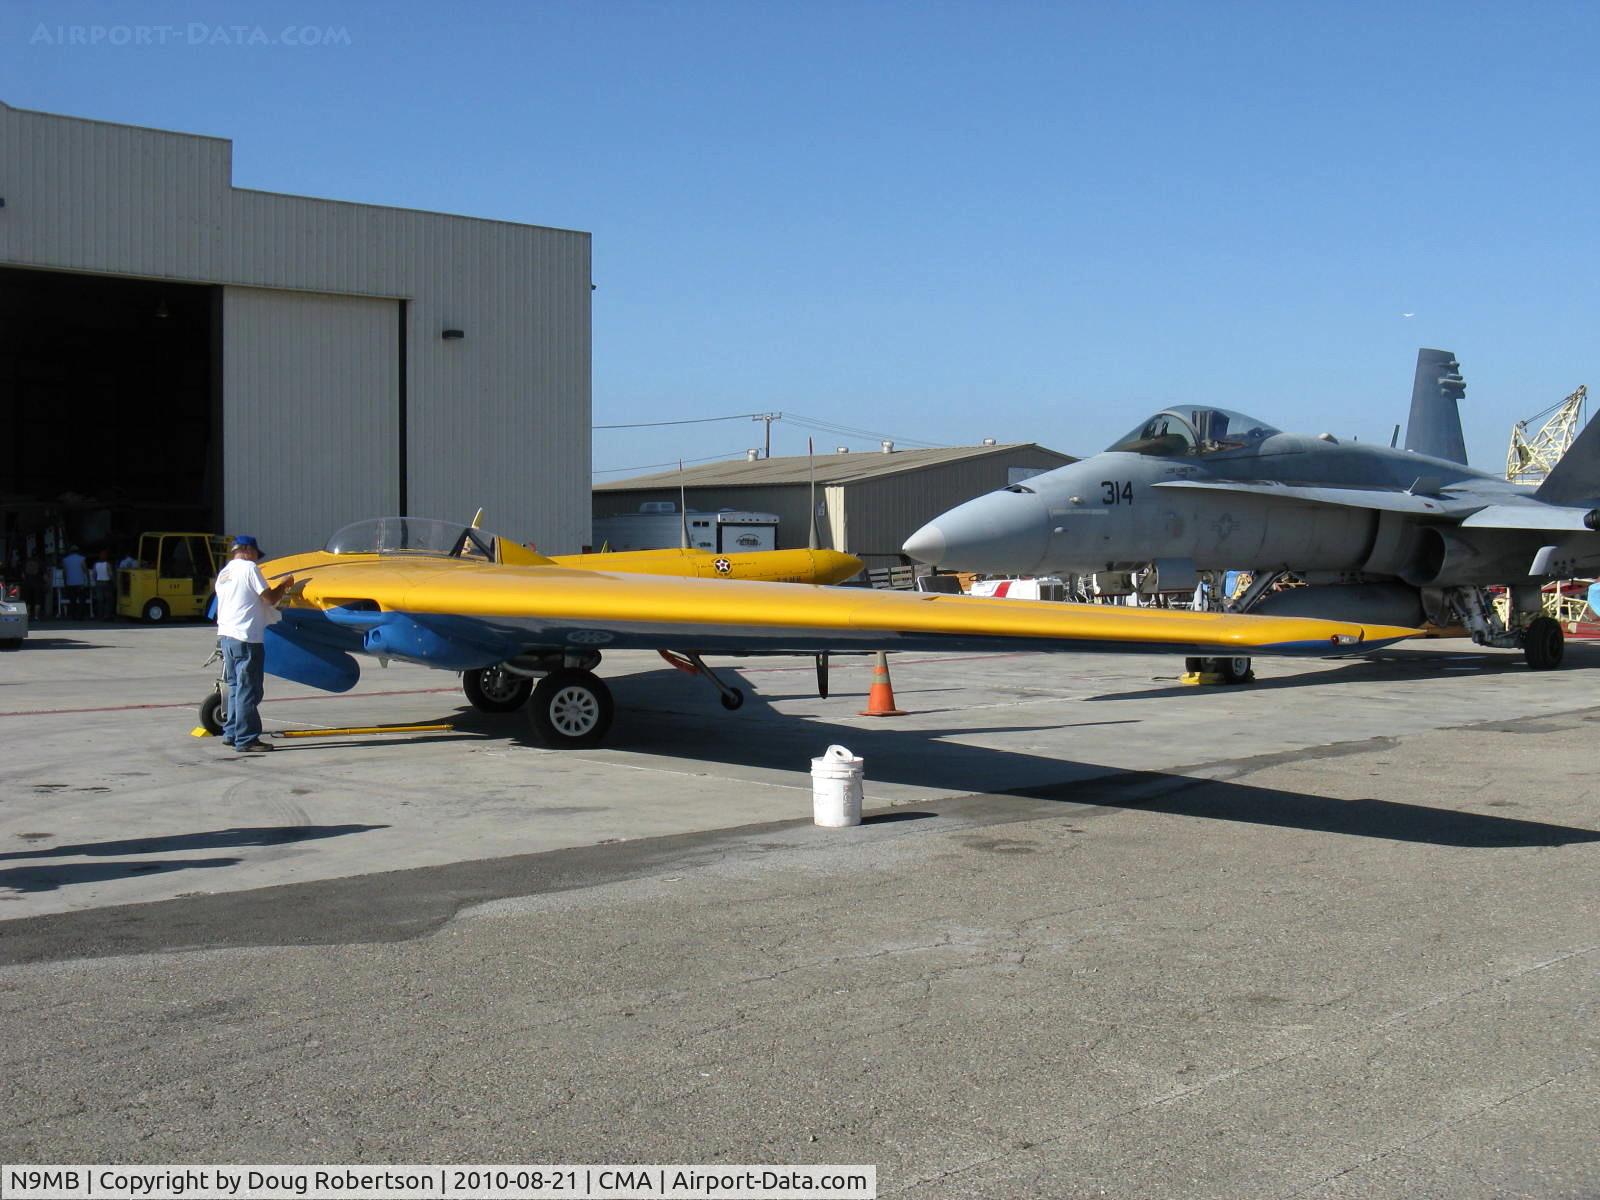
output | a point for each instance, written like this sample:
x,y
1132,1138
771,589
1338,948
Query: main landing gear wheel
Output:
x,y
732,699
496,690
1543,644
212,715
1236,670
1232,670
570,710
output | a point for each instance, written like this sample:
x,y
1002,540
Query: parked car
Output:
x,y
13,616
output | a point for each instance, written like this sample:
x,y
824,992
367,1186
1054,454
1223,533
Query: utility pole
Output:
x,y
768,418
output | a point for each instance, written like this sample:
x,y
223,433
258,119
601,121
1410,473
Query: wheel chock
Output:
x,y
201,731
1202,678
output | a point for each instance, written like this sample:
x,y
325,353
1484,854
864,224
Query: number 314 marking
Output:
x,y
1115,493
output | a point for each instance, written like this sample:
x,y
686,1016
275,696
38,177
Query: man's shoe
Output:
x,y
227,742
257,748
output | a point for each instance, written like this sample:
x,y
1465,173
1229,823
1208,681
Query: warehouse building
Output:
x,y
183,353
867,504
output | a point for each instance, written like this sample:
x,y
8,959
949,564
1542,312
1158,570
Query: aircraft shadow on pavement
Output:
x,y
34,642
1387,666
758,737
212,839
51,876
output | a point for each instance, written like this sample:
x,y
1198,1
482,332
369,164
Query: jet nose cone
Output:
x,y
1004,532
926,544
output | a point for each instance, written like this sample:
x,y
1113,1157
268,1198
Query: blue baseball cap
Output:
x,y
245,542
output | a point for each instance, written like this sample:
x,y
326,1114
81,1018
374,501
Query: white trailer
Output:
x,y
659,526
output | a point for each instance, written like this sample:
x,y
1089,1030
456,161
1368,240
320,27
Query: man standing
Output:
x,y
75,573
104,593
242,600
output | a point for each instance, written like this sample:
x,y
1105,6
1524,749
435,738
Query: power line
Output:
x,y
689,421
823,426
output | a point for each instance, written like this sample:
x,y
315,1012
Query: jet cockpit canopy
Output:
x,y
1181,431
424,536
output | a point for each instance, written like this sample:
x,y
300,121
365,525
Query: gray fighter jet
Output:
x,y
1380,534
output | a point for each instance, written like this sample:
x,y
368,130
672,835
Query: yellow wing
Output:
x,y
507,609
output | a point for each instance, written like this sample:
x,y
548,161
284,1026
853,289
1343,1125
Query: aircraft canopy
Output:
x,y
424,536
1175,432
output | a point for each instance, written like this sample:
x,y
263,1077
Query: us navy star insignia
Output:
x,y
723,566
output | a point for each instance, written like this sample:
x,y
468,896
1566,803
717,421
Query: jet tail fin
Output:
x,y
1576,477
1434,427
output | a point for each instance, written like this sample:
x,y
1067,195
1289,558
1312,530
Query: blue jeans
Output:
x,y
243,666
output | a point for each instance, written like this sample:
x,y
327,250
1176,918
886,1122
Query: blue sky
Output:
x,y
942,221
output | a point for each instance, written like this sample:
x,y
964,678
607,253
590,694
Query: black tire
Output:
x,y
496,690
1544,644
1235,670
734,700
570,710
1196,666
212,714
155,611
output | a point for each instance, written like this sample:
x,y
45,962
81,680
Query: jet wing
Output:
x,y
1415,503
1532,516
462,614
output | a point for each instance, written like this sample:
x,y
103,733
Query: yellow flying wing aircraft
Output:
x,y
444,595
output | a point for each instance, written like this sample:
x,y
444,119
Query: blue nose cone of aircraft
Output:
x,y
1003,532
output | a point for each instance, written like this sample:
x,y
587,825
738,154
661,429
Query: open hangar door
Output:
x,y
109,391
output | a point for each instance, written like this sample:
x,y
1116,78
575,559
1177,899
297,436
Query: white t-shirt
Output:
x,y
241,612
102,571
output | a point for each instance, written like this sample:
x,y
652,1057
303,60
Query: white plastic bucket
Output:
x,y
836,788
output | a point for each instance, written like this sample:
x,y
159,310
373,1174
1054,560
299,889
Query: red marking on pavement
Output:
x,y
53,712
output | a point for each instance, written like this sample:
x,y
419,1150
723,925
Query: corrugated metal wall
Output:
x,y
499,418
310,416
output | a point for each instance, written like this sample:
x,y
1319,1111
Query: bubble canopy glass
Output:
x,y
1179,431
425,536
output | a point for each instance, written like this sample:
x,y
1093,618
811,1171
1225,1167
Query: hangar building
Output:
x,y
183,353
867,504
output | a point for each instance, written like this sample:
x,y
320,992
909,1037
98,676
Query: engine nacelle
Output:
x,y
403,637
1453,558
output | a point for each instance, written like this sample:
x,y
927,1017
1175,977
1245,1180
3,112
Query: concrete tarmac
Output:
x,y
1332,934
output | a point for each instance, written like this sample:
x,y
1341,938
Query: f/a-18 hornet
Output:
x,y
1380,533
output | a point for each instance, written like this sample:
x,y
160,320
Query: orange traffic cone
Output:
x,y
880,700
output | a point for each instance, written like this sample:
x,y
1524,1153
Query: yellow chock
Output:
x,y
1201,678
200,731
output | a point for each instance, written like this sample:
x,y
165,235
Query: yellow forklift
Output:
x,y
174,576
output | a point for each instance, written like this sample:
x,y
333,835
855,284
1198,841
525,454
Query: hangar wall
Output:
x,y
499,418
295,466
